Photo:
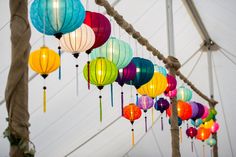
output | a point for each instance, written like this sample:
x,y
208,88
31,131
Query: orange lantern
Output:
x,y
203,133
132,112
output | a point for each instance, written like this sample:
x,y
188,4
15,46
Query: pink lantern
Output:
x,y
171,94
206,112
215,127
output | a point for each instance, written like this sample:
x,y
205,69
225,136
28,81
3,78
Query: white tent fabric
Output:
x,y
72,120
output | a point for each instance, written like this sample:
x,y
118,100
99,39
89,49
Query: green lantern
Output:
x,y
184,94
102,72
115,50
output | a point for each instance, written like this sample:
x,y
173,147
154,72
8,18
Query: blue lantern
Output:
x,y
57,17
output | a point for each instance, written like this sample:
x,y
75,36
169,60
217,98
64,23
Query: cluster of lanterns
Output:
x,y
112,60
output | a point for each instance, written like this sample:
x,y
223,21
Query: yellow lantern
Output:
x,y
44,61
208,124
156,86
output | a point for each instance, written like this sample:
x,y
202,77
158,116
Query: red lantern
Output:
x,y
184,110
101,27
132,112
203,134
191,132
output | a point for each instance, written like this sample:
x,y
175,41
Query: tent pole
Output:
x,y
16,92
172,71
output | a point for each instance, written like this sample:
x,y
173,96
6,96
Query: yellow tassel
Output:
x,y
180,134
132,137
44,99
152,116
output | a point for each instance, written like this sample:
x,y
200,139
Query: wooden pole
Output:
x,y
16,93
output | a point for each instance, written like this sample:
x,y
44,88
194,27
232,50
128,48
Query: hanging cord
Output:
x,y
59,53
112,102
100,105
192,145
222,107
180,134
77,79
226,56
145,121
122,102
162,127
44,97
88,67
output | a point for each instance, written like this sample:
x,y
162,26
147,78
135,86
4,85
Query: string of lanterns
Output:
x,y
112,61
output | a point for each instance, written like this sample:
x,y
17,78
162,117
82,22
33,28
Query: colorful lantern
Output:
x,y
191,132
101,27
44,61
132,112
144,72
196,122
179,121
215,127
198,110
171,94
211,142
57,17
206,112
160,69
161,105
203,134
171,83
155,86
208,124
184,94
115,50
145,103
102,72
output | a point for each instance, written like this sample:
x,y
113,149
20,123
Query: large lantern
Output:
x,y
132,112
184,94
203,133
44,61
57,17
115,50
161,105
145,103
102,72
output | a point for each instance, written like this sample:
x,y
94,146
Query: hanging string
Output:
x,y
112,103
145,122
203,150
88,67
152,115
44,99
192,145
136,98
180,134
59,52
100,106
187,125
162,127
122,102
132,130
131,92
77,79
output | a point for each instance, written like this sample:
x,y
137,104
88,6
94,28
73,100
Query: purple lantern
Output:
x,y
145,103
194,107
171,83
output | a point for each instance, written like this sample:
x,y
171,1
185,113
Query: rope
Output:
x,y
223,110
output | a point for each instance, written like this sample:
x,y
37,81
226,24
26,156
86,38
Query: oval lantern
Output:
x,y
115,50
203,134
57,17
184,94
144,72
171,83
101,27
160,69
132,113
102,72
215,127
211,142
191,132
194,107
44,61
208,124
155,86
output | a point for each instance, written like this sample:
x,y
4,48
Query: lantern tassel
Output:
x,y
203,150
44,99
112,103
88,74
152,116
122,103
162,127
145,123
180,134
100,106
77,80
59,52
132,130
192,145
137,99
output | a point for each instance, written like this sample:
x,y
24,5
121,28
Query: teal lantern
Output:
x,y
57,17
160,69
184,94
144,72
115,50
211,142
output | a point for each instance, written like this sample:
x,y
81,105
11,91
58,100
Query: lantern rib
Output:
x,y
65,9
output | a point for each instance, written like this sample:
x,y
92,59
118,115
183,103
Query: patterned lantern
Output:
x,y
132,112
44,61
184,94
102,72
145,103
171,83
144,72
203,133
115,50
161,105
57,17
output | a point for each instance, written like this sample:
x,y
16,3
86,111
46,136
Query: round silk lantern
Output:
x,y
211,142
101,27
57,17
203,134
160,69
124,75
191,132
102,72
144,72
215,127
184,110
171,94
198,110
115,50
208,124
161,105
44,61
132,112
145,103
155,86
196,122
171,83
184,94
194,107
